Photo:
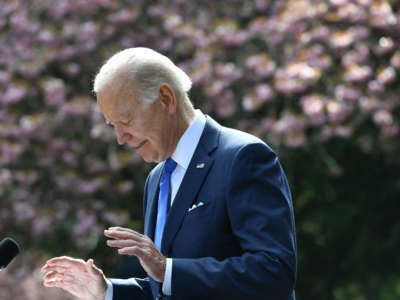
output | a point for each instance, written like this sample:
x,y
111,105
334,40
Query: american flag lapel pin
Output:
x,y
200,166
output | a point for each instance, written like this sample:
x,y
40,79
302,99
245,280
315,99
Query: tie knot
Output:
x,y
169,166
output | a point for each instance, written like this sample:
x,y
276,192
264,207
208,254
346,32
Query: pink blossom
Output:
x,y
385,45
295,140
13,94
313,107
215,88
295,77
89,187
365,3
261,4
386,75
343,131
347,93
23,211
5,176
115,219
5,77
261,64
383,118
337,111
260,25
41,225
352,13
391,130
124,16
73,69
360,55
200,70
252,102
368,104
289,123
172,21
226,106
395,60
382,15
54,91
125,187
10,152
228,72
376,86
26,177
341,39
338,2
84,223
357,73
264,92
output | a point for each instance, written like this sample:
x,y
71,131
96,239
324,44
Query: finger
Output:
x,y
50,283
64,261
90,266
54,276
58,280
54,268
134,250
61,258
57,274
64,283
122,229
122,243
49,275
122,234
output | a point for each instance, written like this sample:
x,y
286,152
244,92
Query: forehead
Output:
x,y
116,105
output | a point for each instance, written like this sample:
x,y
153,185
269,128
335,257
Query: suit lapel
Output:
x,y
152,200
192,182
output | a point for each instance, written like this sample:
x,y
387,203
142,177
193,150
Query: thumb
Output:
x,y
92,267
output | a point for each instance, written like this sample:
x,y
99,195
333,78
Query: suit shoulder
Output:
x,y
236,140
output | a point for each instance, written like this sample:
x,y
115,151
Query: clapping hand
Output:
x,y
82,279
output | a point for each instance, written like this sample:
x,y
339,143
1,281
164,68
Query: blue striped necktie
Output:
x,y
165,185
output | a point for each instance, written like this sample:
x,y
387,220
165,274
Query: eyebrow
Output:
x,y
119,120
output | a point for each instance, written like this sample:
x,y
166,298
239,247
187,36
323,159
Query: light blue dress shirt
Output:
x,y
183,155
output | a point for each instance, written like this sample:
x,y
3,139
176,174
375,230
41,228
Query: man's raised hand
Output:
x,y
134,243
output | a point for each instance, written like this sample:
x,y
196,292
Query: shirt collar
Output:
x,y
188,142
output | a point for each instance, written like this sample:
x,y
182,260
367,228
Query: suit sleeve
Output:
x,y
133,288
259,207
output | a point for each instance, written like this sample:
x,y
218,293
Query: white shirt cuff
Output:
x,y
166,287
109,294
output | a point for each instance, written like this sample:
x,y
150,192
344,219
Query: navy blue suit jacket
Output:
x,y
241,243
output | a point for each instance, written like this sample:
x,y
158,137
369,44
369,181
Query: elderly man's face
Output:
x,y
145,127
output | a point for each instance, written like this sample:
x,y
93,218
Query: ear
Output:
x,y
167,98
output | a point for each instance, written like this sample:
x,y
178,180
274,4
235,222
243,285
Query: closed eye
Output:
x,y
124,123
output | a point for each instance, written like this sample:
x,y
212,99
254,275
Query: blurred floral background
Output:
x,y
318,80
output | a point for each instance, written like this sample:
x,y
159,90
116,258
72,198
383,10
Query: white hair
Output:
x,y
146,69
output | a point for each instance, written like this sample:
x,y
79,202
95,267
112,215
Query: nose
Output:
x,y
122,136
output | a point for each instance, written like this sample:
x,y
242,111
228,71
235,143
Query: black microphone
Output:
x,y
8,250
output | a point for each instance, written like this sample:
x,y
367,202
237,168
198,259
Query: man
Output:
x,y
218,215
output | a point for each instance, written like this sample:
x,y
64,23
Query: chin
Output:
x,y
150,159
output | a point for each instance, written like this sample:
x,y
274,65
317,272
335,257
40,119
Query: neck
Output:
x,y
186,119
182,122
